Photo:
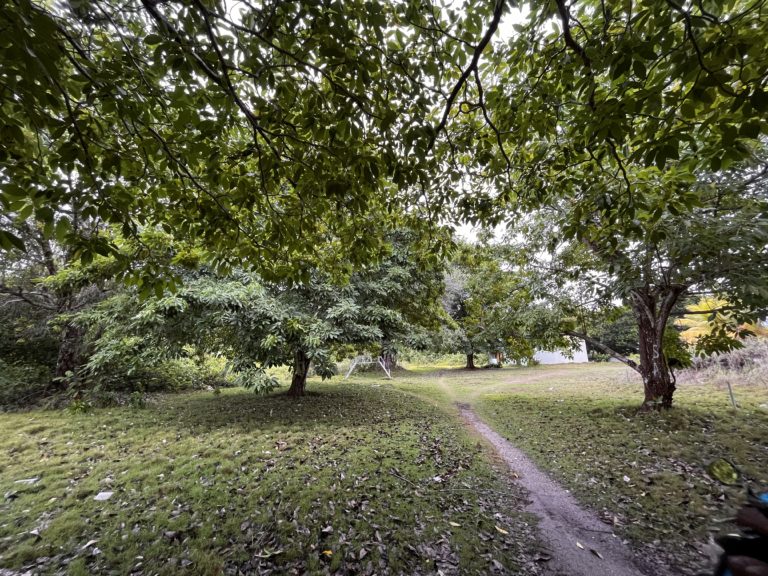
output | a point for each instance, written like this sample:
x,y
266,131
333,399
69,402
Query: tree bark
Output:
x,y
68,359
652,308
388,355
471,361
300,370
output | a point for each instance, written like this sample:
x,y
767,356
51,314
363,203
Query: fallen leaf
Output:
x,y
88,544
454,524
501,530
28,481
328,553
267,553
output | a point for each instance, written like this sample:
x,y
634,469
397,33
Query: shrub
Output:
x,y
22,384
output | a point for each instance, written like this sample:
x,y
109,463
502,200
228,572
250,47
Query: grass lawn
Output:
x,y
644,473
353,479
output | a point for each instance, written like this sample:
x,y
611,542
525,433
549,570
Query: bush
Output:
x,y
747,365
22,384
181,374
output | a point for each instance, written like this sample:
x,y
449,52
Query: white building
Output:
x,y
556,357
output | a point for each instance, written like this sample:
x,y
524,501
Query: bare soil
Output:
x,y
577,542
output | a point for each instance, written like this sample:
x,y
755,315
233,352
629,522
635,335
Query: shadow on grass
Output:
x,y
339,405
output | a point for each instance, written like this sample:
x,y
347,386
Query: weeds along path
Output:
x,y
577,542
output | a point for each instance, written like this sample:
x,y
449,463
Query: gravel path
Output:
x,y
578,542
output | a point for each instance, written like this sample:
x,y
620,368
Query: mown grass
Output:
x,y
644,473
355,478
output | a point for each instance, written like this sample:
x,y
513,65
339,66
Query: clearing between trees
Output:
x,y
362,477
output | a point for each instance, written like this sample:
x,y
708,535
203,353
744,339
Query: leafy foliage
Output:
x,y
634,132
280,135
260,325
489,306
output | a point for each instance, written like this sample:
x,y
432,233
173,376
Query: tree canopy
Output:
x,y
281,133
623,144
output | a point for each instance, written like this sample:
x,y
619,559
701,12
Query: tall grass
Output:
x,y
747,366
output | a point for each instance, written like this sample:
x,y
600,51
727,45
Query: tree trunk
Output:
x,y
300,370
388,355
652,308
68,358
471,361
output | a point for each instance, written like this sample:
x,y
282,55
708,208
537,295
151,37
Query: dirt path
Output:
x,y
579,544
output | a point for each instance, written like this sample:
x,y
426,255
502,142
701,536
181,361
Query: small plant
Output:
x,y
136,400
80,406
256,379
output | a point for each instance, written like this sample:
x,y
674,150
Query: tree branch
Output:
x,y
568,37
497,12
597,344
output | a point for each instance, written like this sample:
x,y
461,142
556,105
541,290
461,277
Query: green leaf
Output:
x,y
8,240
750,130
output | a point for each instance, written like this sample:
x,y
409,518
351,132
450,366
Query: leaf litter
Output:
x,y
351,480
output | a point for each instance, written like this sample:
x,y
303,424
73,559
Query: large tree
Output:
x,y
633,130
485,303
259,324
719,246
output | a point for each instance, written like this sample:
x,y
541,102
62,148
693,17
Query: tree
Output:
x,y
704,250
44,284
264,132
407,282
259,324
635,130
485,302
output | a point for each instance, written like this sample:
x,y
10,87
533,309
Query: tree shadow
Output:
x,y
345,405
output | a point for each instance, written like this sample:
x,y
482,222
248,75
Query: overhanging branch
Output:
x,y
597,344
497,12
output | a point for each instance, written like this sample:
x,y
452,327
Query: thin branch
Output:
x,y
497,12
699,55
597,344
487,116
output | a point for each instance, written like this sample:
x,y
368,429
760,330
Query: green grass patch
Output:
x,y
644,473
355,478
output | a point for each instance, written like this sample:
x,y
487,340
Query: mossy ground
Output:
x,y
354,478
645,473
